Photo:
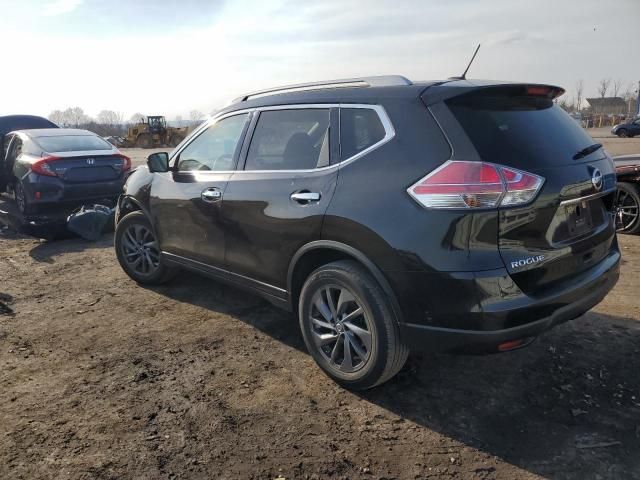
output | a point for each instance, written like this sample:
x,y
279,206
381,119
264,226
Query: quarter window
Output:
x,y
360,128
214,148
295,139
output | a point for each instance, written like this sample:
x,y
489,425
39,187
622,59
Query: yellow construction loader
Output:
x,y
153,132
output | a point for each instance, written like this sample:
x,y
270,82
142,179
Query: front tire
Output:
x,y
138,251
622,133
175,140
144,141
349,326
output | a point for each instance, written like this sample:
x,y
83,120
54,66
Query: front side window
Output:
x,y
296,139
214,148
360,128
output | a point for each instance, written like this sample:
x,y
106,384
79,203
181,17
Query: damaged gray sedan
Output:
x,y
58,169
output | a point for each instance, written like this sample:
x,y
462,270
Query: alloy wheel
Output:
x,y
140,249
340,329
626,211
18,193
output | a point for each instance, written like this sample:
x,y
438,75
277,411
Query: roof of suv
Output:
x,y
359,90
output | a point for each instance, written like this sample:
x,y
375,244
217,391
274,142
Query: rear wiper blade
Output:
x,y
587,150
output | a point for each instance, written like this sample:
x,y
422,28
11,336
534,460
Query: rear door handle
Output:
x,y
305,197
211,195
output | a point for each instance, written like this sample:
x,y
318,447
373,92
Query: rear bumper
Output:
x,y
539,314
56,196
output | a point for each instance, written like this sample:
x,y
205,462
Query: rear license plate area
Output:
x,y
579,218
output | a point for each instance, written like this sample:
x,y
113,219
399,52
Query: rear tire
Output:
x,y
364,351
138,251
622,133
20,197
144,141
628,208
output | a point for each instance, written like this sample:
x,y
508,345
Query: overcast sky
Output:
x,y
169,57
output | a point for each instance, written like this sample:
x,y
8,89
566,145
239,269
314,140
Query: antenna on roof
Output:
x,y
464,75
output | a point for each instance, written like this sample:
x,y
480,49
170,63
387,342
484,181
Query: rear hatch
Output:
x,y
569,226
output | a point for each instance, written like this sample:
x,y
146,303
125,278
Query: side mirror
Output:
x,y
158,162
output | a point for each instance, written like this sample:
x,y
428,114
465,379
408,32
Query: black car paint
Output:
x,y
444,270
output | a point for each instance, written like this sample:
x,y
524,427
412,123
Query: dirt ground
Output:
x,y
104,379
613,144
101,378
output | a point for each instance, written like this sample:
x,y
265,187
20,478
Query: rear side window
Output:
x,y
520,131
360,128
72,143
290,140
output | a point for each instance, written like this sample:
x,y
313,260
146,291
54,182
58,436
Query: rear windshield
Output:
x,y
520,131
72,143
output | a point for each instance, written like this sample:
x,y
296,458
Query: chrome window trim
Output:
x,y
379,109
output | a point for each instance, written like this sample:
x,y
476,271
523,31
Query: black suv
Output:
x,y
388,215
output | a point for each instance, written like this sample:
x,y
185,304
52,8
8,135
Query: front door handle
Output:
x,y
305,197
211,195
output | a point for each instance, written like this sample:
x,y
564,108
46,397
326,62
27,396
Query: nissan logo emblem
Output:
x,y
596,179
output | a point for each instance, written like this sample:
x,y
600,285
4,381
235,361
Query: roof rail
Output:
x,y
379,81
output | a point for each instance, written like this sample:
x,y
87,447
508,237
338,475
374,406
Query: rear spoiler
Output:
x,y
445,90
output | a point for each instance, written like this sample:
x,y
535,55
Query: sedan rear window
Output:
x,y
72,143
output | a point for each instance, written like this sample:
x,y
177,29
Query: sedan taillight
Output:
x,y
465,184
126,162
42,167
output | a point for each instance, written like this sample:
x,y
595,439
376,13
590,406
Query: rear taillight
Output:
x,y
42,167
463,184
544,91
126,162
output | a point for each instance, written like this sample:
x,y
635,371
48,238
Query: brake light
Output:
x,y
126,162
465,184
42,167
544,91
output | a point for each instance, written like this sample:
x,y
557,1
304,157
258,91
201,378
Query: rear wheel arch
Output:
x,y
321,252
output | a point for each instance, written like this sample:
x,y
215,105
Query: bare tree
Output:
x,y
629,92
579,93
196,115
75,117
137,118
616,86
108,117
603,86
57,117
566,104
